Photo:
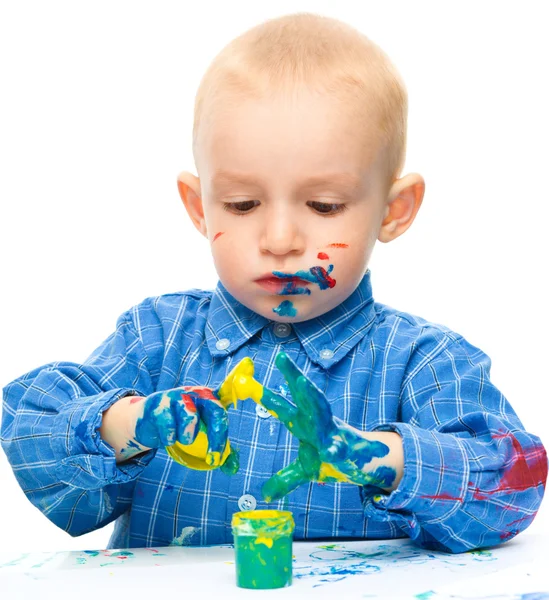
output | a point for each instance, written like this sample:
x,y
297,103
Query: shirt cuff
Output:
x,y
86,460
434,481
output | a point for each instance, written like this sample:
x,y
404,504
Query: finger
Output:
x,y
284,482
186,419
289,370
283,409
215,419
156,427
313,402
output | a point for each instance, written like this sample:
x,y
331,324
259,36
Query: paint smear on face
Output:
x,y
292,288
322,256
217,235
338,245
318,275
285,309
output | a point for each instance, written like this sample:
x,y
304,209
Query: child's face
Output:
x,y
264,215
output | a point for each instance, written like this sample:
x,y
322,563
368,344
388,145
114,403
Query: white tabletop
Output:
x,y
360,569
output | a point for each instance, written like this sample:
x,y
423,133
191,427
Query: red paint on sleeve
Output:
x,y
442,496
521,474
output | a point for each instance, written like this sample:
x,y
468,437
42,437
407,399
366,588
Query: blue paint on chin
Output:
x,y
285,309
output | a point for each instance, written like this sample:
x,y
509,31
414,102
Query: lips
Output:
x,y
276,285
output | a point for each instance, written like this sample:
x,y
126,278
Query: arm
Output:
x,y
473,477
50,432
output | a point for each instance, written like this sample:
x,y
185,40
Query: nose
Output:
x,y
282,234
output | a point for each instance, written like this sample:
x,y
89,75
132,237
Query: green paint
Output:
x,y
263,548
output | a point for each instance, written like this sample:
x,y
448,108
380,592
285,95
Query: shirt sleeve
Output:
x,y
50,422
473,477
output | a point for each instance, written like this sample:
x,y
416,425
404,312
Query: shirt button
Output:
x,y
247,502
222,344
262,412
282,329
326,354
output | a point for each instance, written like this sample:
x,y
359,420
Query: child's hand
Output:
x,y
329,450
163,418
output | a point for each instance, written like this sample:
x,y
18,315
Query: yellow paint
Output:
x,y
241,517
327,470
238,385
265,540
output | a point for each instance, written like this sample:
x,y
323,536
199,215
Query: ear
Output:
x,y
405,198
189,190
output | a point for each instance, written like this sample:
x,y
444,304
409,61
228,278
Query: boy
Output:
x,y
299,140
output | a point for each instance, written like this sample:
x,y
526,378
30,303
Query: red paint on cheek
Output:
x,y
217,235
338,245
322,256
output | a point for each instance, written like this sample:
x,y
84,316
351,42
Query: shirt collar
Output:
x,y
326,339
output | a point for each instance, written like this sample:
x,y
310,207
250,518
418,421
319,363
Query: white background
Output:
x,y
96,108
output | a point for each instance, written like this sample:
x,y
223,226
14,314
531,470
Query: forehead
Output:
x,y
310,138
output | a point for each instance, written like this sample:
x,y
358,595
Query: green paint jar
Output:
x,y
263,548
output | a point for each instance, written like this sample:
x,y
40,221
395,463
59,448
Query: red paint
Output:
x,y
189,404
338,245
322,256
201,392
507,534
443,497
136,399
217,235
521,519
522,474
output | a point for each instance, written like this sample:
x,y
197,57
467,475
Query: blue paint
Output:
x,y
291,288
178,415
285,309
318,275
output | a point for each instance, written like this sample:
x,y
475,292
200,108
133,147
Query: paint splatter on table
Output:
x,y
358,569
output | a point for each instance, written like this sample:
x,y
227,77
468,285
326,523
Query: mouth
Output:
x,y
284,286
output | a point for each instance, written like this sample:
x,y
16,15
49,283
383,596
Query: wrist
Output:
x,y
118,427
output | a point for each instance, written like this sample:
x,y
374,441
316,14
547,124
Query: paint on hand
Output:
x,y
330,450
177,415
217,235
285,309
263,548
196,454
318,275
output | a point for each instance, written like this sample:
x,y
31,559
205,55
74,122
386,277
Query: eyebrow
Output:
x,y
345,179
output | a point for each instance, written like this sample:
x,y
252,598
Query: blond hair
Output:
x,y
279,55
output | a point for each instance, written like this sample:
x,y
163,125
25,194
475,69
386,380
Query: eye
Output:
x,y
240,208
328,209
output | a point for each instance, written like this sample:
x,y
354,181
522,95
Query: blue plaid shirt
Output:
x,y
472,475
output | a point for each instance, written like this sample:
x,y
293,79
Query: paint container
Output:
x,y
263,548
